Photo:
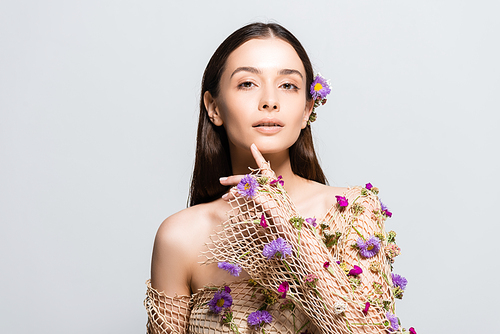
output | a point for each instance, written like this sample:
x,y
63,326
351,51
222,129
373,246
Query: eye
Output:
x,y
289,86
246,85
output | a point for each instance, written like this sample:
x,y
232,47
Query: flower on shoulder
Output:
x,y
326,265
342,201
369,247
233,269
339,307
283,288
367,307
368,186
263,221
222,299
259,318
392,250
393,322
277,248
311,280
391,236
248,186
412,330
355,271
287,305
311,221
374,267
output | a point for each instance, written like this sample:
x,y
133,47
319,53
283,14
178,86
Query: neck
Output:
x,y
280,164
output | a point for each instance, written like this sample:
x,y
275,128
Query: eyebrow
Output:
x,y
286,71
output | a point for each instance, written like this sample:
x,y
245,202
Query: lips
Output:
x,y
268,122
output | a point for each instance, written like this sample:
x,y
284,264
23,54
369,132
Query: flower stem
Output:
x,y
239,257
355,229
304,325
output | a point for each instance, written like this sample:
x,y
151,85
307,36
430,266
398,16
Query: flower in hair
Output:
x,y
233,269
248,186
277,248
319,89
369,247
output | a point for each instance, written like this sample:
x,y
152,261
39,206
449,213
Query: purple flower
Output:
x,y
368,186
412,330
384,209
367,307
248,186
227,289
233,269
263,221
284,287
342,201
370,247
355,271
393,320
311,221
278,180
327,264
399,281
278,247
259,318
222,299
319,88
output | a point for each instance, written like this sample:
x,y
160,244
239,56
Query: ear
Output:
x,y
307,112
212,109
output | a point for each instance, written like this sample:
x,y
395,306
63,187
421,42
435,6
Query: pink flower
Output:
x,y
367,307
263,222
311,221
326,264
355,271
412,330
368,186
342,201
278,180
284,287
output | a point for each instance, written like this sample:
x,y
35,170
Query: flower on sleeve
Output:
x,y
384,209
233,269
369,186
311,280
248,186
283,288
263,221
367,307
259,318
399,281
369,247
311,221
392,250
355,271
339,307
277,248
278,180
412,330
393,322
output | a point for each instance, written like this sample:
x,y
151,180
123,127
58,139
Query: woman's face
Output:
x,y
262,97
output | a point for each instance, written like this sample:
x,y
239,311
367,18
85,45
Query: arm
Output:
x,y
169,277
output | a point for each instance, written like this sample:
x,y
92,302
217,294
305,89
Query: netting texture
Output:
x,y
337,301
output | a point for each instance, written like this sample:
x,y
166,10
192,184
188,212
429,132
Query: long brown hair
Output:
x,y
212,147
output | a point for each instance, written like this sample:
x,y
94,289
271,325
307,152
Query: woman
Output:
x,y
256,105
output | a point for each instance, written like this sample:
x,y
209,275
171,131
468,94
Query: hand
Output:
x,y
235,179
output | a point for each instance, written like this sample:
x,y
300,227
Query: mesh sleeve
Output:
x,y
166,314
334,305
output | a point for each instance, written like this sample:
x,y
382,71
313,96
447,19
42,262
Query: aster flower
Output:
x,y
393,320
248,186
412,330
399,281
278,180
279,248
283,288
355,271
342,201
311,221
367,307
369,247
222,299
384,209
259,318
233,269
320,88
263,221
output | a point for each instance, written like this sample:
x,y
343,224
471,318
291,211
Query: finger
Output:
x,y
261,162
230,195
231,180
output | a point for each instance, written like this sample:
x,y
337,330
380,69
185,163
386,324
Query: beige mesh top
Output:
x,y
337,303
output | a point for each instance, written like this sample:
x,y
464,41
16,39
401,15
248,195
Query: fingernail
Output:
x,y
253,146
223,179
225,196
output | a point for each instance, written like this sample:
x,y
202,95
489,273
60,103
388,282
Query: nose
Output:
x,y
269,102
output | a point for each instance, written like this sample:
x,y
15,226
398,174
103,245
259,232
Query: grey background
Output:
x,y
98,103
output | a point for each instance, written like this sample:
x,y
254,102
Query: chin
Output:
x,y
272,145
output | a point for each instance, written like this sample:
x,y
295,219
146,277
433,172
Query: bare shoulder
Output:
x,y
178,243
